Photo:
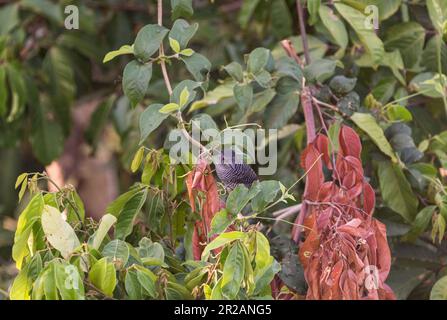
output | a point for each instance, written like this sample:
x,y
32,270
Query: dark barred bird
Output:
x,y
232,172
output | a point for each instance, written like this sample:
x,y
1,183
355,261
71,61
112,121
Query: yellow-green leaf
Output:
x,y
184,96
103,276
126,49
175,45
20,179
170,107
137,159
187,52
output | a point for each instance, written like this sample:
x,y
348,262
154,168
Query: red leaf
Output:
x,y
349,142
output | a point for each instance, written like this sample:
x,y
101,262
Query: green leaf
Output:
x,y
151,253
269,192
117,251
263,78
221,221
127,216
22,285
240,196
169,108
243,94
263,257
368,124
133,286
420,223
150,168
27,218
320,70
220,241
282,108
408,38
429,58
150,119
148,41
107,221
147,280
286,66
439,290
368,37
429,84
126,49
198,65
58,232
136,77
396,191
137,159
103,276
174,44
58,65
313,7
181,8
59,280
117,205
398,113
281,19
233,272
258,59
437,10
182,32
334,26
9,18
261,100
246,12
234,69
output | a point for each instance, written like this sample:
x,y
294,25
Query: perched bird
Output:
x,y
232,171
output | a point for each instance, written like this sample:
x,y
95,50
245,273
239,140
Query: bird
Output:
x,y
231,172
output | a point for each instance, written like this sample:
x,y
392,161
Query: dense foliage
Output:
x,y
362,148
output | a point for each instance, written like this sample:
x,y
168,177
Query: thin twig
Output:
x,y
299,9
306,102
162,50
168,82
78,215
291,52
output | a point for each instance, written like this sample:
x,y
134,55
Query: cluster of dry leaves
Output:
x,y
201,180
345,254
